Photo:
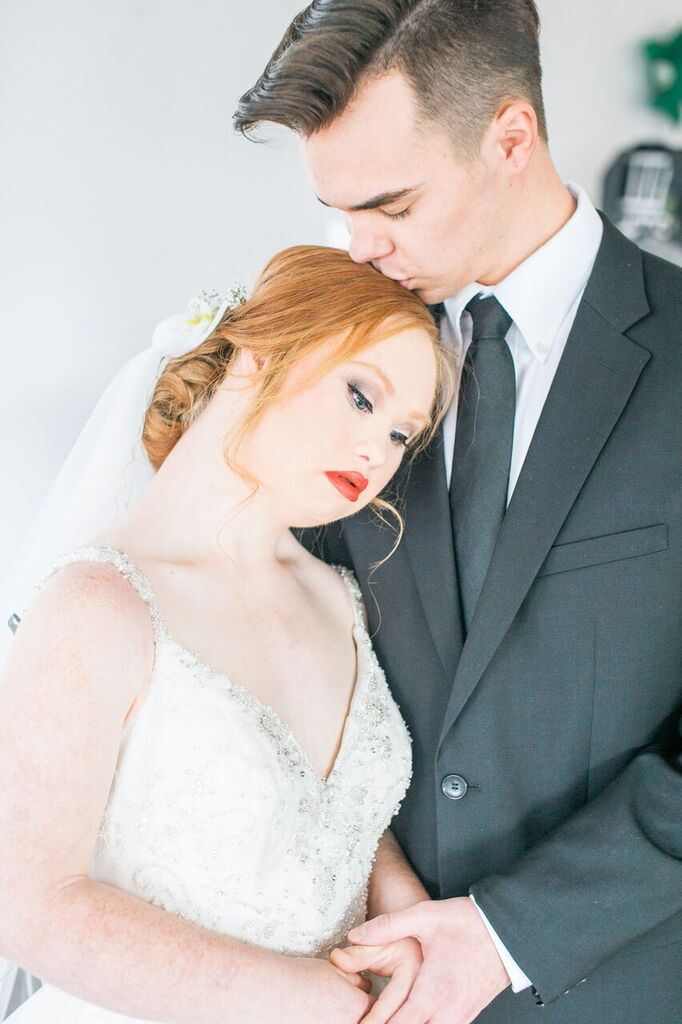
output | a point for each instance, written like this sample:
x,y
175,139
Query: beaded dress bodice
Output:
x,y
216,814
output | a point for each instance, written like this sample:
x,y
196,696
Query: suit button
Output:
x,y
454,787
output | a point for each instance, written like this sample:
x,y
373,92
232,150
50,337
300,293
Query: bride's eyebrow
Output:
x,y
388,387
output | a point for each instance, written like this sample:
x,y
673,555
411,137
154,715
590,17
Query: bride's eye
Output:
x,y
359,400
397,437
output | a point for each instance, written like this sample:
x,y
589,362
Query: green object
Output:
x,y
664,74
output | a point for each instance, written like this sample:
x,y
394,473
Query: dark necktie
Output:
x,y
483,447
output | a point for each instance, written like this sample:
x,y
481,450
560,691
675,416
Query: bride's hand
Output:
x,y
400,961
321,991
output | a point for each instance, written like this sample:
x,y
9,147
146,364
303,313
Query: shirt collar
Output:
x,y
539,293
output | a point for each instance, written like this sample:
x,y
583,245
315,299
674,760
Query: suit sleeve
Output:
x,y
609,874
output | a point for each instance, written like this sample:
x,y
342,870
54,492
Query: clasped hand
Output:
x,y
442,964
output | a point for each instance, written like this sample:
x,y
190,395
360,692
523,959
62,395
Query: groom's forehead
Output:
x,y
378,133
350,175
366,178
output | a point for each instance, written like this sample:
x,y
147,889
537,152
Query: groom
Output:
x,y
531,622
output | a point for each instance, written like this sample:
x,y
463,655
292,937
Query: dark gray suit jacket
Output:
x,y
561,710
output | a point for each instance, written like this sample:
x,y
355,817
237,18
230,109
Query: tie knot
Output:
x,y
491,320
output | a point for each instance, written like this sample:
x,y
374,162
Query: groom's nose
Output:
x,y
367,243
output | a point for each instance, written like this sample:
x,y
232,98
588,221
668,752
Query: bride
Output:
x,y
203,757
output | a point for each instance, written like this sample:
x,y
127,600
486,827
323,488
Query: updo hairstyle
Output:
x,y
306,295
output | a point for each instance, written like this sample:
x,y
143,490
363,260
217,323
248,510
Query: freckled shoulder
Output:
x,y
92,591
88,615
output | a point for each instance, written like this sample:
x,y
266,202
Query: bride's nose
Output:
x,y
372,452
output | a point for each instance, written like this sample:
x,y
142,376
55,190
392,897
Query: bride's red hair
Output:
x,y
305,296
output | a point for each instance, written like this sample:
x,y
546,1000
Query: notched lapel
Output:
x,y
428,538
595,378
419,492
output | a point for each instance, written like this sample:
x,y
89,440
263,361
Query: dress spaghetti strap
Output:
x,y
127,568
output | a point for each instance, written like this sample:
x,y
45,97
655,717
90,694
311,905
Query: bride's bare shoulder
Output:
x,y
88,616
91,590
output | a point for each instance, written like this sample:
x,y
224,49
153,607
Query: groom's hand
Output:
x,y
461,971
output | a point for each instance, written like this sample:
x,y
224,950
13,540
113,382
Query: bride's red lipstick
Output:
x,y
351,485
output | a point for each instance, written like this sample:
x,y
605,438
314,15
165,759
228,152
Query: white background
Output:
x,y
123,190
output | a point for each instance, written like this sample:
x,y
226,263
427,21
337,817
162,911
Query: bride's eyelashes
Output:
x,y
363,404
359,400
399,438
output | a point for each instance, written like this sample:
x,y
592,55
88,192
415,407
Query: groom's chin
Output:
x,y
430,296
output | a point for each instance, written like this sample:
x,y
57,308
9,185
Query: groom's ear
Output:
x,y
513,135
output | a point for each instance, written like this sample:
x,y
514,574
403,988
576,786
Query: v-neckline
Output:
x,y
248,698
260,708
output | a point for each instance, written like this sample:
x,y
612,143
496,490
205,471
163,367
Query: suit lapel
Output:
x,y
419,491
429,543
597,373
430,547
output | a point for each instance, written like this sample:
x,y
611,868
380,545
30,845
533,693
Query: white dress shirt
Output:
x,y
542,296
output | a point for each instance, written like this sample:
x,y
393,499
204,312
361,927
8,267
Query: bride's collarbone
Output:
x,y
297,661
285,645
289,644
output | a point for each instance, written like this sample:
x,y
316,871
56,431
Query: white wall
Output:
x,y
123,189
595,87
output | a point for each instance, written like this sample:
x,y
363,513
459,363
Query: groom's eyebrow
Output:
x,y
383,199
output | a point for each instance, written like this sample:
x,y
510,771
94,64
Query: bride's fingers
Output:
x,y
363,983
354,979
357,958
390,1000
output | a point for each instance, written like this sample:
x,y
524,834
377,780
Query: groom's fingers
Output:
x,y
388,927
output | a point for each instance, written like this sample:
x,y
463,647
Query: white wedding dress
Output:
x,y
216,814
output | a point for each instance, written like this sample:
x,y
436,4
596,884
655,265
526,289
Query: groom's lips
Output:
x,y
404,281
350,485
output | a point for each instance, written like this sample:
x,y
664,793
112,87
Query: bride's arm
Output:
x,y
393,884
82,656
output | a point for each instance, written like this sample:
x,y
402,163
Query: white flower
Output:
x,y
205,306
179,334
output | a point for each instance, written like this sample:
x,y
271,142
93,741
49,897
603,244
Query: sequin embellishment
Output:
x,y
216,814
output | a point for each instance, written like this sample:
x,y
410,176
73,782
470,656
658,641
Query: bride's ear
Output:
x,y
249,362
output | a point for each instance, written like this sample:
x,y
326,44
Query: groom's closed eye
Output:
x,y
383,199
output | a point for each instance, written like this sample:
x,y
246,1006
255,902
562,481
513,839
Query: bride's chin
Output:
x,y
313,520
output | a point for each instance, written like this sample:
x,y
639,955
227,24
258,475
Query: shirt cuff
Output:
x,y
519,981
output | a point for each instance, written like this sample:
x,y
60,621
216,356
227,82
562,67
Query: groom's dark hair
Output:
x,y
463,58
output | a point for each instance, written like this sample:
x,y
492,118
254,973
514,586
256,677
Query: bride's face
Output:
x,y
325,451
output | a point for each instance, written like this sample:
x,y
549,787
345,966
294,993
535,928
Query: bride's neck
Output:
x,y
199,510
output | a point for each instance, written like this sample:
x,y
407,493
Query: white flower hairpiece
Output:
x,y
179,334
206,304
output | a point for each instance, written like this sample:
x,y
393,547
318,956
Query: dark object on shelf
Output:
x,y
643,197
